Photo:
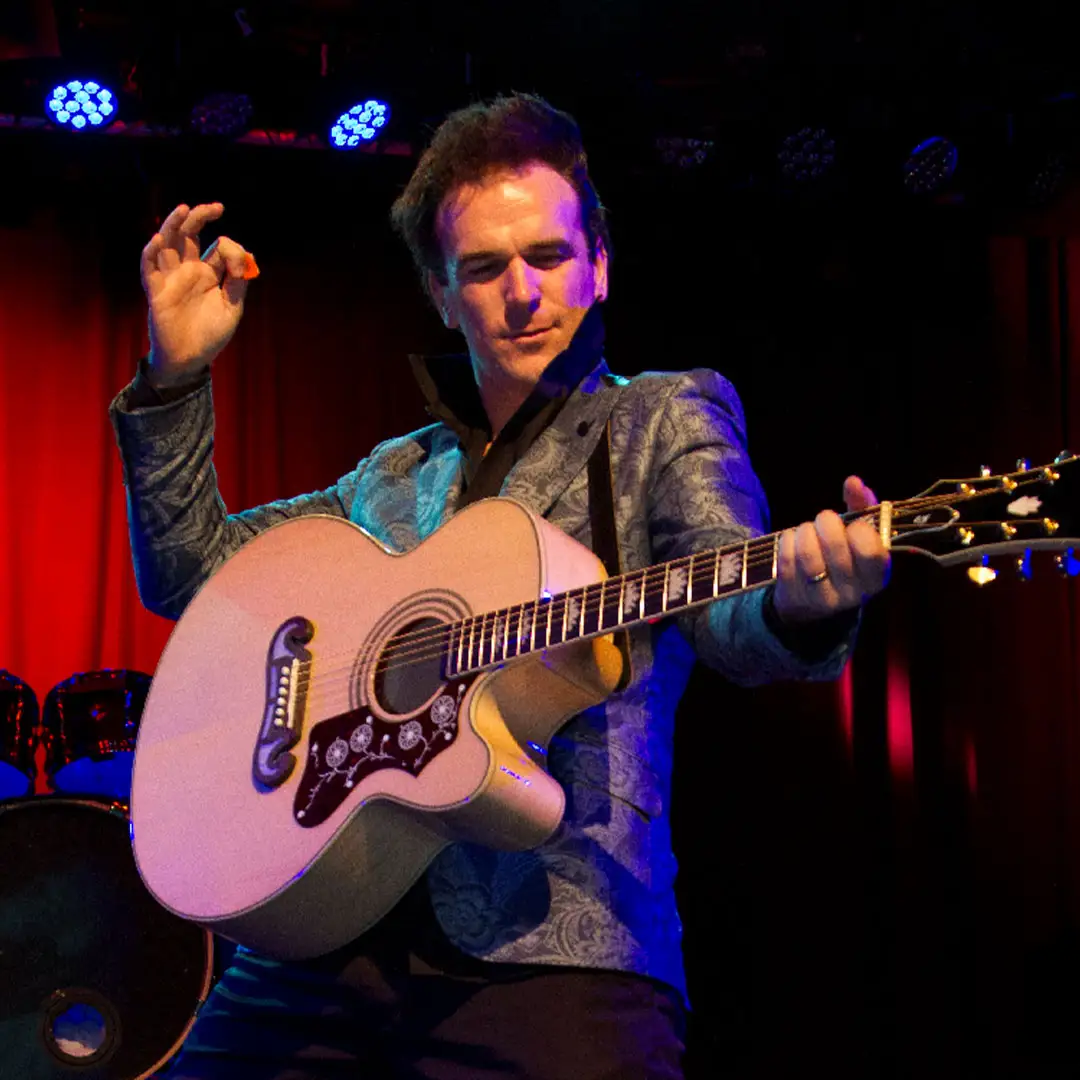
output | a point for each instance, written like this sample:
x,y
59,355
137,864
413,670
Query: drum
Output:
x,y
97,980
89,723
18,736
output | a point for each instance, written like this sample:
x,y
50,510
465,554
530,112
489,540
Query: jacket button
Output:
x,y
583,427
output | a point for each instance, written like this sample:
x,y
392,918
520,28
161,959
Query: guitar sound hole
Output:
x,y
410,667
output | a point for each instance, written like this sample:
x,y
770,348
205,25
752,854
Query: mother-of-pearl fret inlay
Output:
x,y
573,611
730,568
631,595
676,586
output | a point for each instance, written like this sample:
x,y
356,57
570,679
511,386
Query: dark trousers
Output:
x,y
401,1002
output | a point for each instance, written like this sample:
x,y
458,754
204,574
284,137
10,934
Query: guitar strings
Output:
x,y
433,643
503,633
531,616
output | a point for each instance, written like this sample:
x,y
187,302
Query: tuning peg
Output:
x,y
1063,457
1068,565
1023,565
1022,464
984,573
985,471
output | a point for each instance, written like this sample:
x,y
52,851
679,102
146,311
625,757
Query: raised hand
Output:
x,y
825,567
195,300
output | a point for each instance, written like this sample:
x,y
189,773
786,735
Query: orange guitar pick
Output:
x,y
251,268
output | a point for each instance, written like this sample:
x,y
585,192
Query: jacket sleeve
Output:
x,y
704,494
179,526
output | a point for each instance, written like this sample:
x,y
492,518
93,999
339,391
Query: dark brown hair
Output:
x,y
470,144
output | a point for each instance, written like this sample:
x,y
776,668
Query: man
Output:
x,y
563,961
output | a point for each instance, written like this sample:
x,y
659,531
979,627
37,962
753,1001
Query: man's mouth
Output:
x,y
528,335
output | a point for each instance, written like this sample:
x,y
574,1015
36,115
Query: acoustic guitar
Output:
x,y
328,715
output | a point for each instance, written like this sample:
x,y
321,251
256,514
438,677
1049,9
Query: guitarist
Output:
x,y
563,961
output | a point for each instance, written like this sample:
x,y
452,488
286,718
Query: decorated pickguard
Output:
x,y
347,748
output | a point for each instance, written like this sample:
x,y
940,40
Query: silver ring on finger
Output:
x,y
817,579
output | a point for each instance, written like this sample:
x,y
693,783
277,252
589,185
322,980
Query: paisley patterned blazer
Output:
x,y
599,893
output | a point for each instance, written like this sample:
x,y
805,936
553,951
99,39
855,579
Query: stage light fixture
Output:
x,y
807,155
930,166
684,153
1048,180
222,115
81,106
362,123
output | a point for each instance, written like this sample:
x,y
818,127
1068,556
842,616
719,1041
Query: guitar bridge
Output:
x,y
288,665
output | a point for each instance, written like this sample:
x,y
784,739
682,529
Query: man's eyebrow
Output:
x,y
541,247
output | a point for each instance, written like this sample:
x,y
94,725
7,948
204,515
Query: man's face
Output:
x,y
519,277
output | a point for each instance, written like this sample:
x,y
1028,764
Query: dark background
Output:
x,y
880,877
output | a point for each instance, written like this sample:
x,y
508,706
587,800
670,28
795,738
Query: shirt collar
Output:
x,y
449,386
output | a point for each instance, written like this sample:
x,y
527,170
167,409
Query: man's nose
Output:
x,y
522,283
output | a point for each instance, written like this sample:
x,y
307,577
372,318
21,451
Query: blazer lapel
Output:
x,y
562,450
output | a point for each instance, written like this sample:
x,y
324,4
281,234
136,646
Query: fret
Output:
x,y
590,624
522,640
478,641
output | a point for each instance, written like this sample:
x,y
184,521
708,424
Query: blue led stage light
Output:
x,y
930,166
362,123
80,105
807,155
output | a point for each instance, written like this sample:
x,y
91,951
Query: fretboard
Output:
x,y
625,600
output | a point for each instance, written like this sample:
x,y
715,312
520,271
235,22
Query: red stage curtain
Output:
x,y
69,340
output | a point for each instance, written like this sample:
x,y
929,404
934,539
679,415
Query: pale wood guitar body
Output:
x,y
327,716
219,848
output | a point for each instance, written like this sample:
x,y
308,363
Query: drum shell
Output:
x,y
78,925
89,727
18,736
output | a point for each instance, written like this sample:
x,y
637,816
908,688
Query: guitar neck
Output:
x,y
619,602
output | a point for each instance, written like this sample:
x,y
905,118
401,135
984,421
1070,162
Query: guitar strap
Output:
x,y
602,524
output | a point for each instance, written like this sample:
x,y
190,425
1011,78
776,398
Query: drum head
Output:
x,y
97,980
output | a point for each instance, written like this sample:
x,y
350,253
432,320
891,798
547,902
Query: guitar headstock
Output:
x,y
966,522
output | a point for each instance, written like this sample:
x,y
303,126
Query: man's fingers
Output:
x,y
170,228
857,496
149,270
785,555
833,540
870,558
198,216
809,558
227,258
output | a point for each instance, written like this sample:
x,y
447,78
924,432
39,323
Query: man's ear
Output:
x,y
600,272
442,301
